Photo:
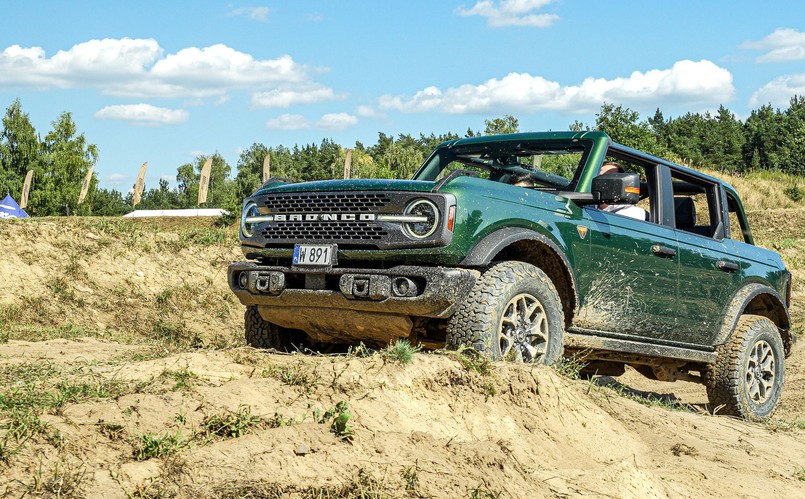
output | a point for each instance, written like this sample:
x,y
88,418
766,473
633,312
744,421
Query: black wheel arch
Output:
x,y
518,243
757,299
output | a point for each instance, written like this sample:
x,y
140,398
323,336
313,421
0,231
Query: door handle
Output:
x,y
660,250
727,266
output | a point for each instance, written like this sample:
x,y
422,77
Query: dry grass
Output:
x,y
158,281
765,190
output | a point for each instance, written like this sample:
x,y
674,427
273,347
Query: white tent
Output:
x,y
190,212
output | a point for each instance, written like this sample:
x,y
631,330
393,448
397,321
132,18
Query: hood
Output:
x,y
348,185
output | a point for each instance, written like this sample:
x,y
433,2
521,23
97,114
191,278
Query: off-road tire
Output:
x,y
263,334
748,376
481,321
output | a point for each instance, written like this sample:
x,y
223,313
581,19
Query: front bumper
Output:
x,y
408,290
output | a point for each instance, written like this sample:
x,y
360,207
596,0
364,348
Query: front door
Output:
x,y
629,284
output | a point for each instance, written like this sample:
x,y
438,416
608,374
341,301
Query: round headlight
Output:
x,y
429,214
249,210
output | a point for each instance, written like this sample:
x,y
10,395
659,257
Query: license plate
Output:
x,y
314,255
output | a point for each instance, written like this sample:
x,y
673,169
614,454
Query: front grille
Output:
x,y
321,231
346,218
335,202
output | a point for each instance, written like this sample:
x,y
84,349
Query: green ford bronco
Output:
x,y
527,247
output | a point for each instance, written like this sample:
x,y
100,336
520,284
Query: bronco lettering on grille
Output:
x,y
326,217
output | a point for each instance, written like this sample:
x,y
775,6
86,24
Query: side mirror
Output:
x,y
616,188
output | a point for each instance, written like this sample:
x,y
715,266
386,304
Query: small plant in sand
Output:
x,y
63,481
473,361
401,351
20,426
151,445
184,379
338,417
785,425
410,478
570,367
231,424
481,492
296,374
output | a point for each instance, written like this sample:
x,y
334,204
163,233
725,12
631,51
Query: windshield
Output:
x,y
554,164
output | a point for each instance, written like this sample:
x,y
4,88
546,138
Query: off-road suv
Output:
x,y
516,246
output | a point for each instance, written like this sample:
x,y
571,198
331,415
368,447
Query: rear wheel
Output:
x,y
747,377
512,313
263,334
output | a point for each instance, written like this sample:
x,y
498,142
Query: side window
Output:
x,y
697,206
738,223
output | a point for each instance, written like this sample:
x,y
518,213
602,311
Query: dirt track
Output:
x,y
131,355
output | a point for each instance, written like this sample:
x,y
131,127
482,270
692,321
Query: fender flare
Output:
x,y
778,312
492,244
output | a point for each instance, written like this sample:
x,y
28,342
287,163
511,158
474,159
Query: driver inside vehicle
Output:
x,y
522,180
625,209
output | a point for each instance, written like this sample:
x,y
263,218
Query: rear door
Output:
x,y
709,272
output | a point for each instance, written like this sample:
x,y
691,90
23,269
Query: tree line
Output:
x,y
769,139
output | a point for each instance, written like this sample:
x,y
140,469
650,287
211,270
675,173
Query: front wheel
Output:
x,y
747,377
263,334
512,313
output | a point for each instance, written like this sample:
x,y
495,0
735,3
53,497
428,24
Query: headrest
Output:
x,y
685,212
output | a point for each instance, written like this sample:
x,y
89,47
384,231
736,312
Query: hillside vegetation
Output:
x,y
123,374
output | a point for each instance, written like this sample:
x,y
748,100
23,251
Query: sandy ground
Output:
x,y
124,416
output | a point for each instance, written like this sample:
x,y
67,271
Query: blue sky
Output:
x,y
166,81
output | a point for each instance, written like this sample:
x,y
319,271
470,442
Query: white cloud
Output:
x,y
143,114
369,112
315,17
687,82
255,13
289,96
779,91
337,121
115,178
288,122
92,63
222,66
503,13
785,44
137,68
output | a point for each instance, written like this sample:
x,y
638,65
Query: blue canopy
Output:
x,y
10,209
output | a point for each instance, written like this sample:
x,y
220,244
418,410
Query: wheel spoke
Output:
x,y
754,390
532,351
538,331
505,344
532,310
767,362
767,387
510,315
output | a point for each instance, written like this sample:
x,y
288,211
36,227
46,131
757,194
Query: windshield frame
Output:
x,y
502,158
